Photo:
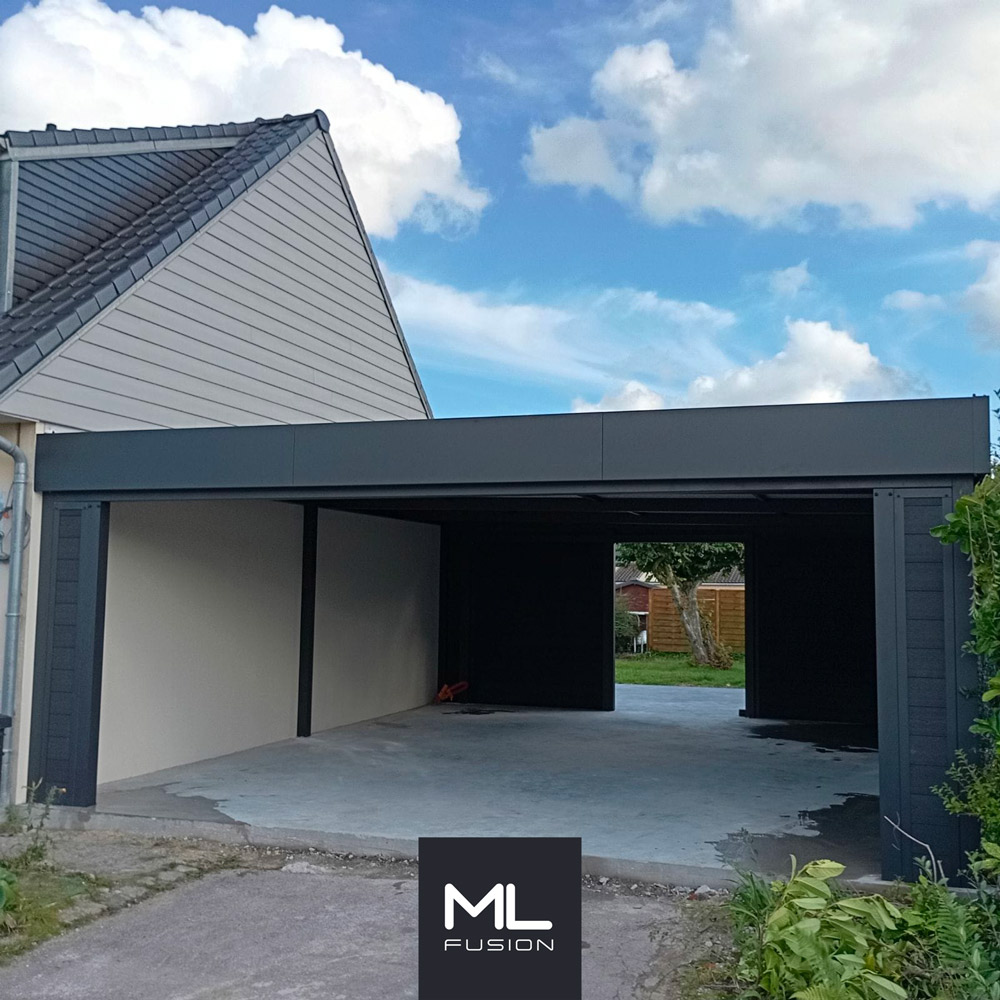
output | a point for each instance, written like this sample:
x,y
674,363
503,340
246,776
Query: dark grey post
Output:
x,y
69,650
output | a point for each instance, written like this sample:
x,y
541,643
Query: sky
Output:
x,y
610,204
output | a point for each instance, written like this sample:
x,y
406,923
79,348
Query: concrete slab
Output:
x,y
673,776
260,935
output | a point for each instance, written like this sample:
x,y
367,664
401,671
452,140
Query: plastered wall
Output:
x,y
376,640
201,642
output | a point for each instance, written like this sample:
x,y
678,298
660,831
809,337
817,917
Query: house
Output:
x,y
200,276
192,583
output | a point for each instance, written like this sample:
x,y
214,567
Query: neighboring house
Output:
x,y
209,275
635,586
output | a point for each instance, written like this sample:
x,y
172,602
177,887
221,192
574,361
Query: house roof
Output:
x,y
629,576
246,151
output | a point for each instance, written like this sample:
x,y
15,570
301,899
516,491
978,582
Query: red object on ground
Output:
x,y
448,692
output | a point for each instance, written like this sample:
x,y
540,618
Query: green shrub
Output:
x,y
808,941
9,900
626,626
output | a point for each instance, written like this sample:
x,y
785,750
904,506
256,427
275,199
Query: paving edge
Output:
x,y
364,845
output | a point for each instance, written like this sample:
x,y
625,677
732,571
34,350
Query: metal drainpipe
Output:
x,y
13,635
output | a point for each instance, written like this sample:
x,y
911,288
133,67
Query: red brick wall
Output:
x,y
637,597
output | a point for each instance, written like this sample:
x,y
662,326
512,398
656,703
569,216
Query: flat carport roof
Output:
x,y
812,448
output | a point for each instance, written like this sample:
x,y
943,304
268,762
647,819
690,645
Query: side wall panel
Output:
x,y
202,632
376,620
510,639
924,677
813,590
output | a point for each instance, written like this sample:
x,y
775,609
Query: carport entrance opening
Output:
x,y
202,690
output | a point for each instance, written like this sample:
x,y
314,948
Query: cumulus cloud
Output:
x,y
982,298
787,282
79,63
818,364
633,395
907,300
576,152
874,109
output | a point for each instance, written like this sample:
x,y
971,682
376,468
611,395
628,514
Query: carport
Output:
x,y
206,592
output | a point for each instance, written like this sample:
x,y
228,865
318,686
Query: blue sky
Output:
x,y
614,204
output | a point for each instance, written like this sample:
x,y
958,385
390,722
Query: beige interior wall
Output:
x,y
201,643
376,641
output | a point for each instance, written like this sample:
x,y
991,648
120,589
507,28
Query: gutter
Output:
x,y
12,638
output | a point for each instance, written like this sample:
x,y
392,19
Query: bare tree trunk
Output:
x,y
686,599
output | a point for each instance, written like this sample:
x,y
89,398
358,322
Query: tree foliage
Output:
x,y
682,566
682,562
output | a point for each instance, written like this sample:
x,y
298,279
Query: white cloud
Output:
x,y
982,298
79,63
633,349
787,282
575,150
872,108
588,338
907,300
818,364
633,395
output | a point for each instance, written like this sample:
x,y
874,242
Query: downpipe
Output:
x,y
12,637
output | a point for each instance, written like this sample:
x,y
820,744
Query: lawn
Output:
x,y
677,669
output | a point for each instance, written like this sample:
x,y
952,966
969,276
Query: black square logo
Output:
x,y
500,918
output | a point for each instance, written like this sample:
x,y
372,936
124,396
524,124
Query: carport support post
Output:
x,y
69,649
307,618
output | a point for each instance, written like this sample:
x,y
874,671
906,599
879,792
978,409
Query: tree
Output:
x,y
682,566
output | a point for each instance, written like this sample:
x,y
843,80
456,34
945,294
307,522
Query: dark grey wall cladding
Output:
x,y
825,619
499,635
69,650
927,697
68,206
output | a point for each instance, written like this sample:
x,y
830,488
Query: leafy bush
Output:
x,y
626,626
973,786
804,939
9,900
807,939
975,527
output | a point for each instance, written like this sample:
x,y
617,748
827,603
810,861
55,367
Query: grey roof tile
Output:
x,y
56,311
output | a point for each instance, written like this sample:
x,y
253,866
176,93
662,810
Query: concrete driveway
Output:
x,y
319,934
673,776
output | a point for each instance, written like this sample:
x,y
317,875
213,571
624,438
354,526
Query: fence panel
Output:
x,y
726,606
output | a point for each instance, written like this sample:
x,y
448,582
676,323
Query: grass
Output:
x,y
677,669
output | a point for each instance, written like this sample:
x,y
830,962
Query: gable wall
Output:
x,y
272,314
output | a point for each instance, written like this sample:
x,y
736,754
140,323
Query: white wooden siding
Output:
x,y
272,314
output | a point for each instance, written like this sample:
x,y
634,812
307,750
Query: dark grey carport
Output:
x,y
848,489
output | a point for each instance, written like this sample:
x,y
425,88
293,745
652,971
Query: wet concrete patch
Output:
x,y
156,800
826,737
847,831
474,710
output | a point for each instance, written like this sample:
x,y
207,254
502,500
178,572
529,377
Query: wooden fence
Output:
x,y
725,605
